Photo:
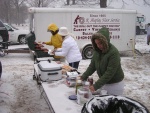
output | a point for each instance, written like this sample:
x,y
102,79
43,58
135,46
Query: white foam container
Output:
x,y
49,71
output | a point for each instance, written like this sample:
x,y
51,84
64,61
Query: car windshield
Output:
x,y
140,19
14,27
10,27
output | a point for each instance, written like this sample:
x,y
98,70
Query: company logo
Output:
x,y
79,19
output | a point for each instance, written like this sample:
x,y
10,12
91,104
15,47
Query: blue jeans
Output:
x,y
74,64
0,69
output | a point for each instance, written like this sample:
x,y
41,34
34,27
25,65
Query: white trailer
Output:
x,y
84,22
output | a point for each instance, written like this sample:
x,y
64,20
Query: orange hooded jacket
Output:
x,y
55,40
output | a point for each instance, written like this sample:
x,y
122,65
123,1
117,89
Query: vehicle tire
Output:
x,y
87,52
138,31
22,39
2,53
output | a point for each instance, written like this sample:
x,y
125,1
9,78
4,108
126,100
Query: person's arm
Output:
x,y
48,43
58,49
64,50
90,70
113,63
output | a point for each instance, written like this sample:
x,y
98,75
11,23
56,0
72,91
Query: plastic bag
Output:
x,y
113,104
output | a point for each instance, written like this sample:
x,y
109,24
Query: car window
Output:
x,y
7,27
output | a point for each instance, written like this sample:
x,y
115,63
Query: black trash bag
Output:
x,y
113,104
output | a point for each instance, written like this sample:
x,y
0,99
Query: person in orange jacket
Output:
x,y
55,39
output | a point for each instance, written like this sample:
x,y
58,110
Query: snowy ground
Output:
x,y
19,93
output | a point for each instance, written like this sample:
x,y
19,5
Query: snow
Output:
x,y
19,93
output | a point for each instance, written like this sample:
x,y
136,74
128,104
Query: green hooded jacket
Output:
x,y
106,63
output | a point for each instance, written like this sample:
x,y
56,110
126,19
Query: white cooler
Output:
x,y
49,71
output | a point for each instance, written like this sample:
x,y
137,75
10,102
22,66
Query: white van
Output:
x,y
84,22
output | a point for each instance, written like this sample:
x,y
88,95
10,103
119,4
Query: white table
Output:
x,y
57,94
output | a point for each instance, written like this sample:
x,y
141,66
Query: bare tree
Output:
x,y
146,2
15,11
17,5
104,3
39,3
73,2
68,2
10,12
124,2
5,10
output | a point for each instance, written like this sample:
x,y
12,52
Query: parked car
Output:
x,y
3,33
16,35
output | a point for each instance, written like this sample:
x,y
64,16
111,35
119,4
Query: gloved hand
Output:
x,y
92,89
49,51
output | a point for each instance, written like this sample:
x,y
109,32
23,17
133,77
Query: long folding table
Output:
x,y
57,94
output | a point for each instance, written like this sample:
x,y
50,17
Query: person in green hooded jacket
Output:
x,y
106,61
55,39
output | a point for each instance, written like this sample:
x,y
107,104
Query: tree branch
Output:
x,y
5,93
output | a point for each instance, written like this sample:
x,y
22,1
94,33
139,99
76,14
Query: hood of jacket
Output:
x,y
52,27
103,36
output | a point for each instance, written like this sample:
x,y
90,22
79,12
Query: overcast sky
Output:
x,y
139,7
